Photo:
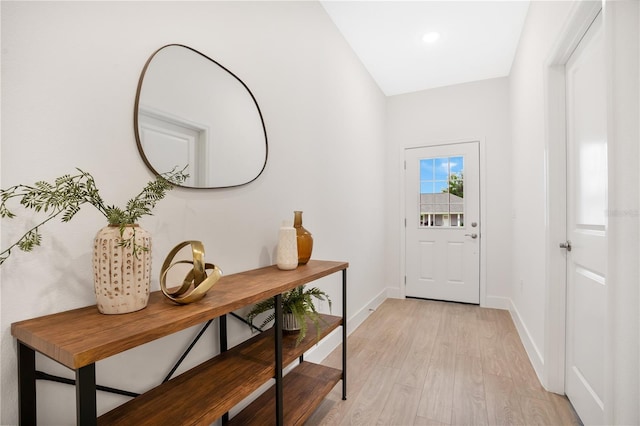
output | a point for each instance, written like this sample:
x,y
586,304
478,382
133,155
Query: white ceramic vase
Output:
x,y
290,323
122,280
287,251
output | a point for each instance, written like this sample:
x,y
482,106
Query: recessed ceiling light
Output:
x,y
431,37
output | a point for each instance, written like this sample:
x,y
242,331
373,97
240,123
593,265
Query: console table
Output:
x,y
79,338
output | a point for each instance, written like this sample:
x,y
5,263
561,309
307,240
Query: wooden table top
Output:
x,y
82,336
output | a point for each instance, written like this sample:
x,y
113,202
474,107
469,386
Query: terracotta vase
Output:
x,y
121,279
305,240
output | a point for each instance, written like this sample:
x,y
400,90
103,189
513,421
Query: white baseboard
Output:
x,y
394,293
333,340
497,302
358,318
535,356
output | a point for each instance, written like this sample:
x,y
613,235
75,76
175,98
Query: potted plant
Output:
x,y
297,307
121,259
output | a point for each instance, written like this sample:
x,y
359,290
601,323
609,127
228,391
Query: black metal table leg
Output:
x,y
26,385
278,349
223,333
223,348
86,408
344,334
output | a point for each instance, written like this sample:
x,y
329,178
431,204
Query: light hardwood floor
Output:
x,y
421,362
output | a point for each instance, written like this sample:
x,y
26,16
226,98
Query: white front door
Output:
x,y
586,226
442,225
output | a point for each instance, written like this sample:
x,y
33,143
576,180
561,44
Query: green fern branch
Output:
x,y
68,193
299,302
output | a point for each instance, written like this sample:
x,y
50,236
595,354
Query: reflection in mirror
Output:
x,y
191,111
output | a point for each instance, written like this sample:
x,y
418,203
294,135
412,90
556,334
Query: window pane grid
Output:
x,y
441,192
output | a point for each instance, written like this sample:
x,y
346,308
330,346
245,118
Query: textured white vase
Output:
x,y
287,251
290,322
122,280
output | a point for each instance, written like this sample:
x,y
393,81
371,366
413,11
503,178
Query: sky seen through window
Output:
x,y
435,173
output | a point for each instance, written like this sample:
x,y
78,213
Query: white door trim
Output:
x,y
485,301
580,17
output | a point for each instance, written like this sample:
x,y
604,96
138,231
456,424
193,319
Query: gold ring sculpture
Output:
x,y
197,276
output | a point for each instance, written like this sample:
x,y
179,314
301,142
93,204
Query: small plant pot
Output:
x,y
290,324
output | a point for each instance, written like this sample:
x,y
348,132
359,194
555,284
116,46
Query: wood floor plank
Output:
x,y
488,314
538,412
379,319
448,328
565,410
431,307
401,407
437,395
396,342
469,405
433,363
359,368
423,421
494,358
503,404
414,368
520,368
355,344
468,342
413,371
327,411
371,399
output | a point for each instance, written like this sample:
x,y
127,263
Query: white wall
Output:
x,y
528,132
474,111
69,76
532,310
622,28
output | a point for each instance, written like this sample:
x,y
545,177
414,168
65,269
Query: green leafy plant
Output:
x,y
298,302
67,194
456,185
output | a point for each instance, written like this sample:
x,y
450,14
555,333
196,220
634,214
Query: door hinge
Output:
x,y
405,164
405,280
405,222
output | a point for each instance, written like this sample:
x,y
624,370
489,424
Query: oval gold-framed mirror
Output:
x,y
190,111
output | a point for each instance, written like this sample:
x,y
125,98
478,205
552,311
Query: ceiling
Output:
x,y
478,39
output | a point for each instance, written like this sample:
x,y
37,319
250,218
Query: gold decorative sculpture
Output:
x,y
197,277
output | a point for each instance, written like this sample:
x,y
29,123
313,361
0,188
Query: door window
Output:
x,y
441,192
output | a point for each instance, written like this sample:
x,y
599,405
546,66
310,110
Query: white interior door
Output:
x,y
586,226
442,225
169,145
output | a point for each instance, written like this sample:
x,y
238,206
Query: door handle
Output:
x,y
474,236
566,245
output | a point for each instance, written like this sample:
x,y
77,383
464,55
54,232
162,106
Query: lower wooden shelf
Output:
x,y
204,393
304,389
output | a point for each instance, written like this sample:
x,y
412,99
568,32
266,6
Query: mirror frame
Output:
x,y
136,113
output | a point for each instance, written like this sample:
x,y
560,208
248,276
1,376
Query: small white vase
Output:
x,y
287,251
122,280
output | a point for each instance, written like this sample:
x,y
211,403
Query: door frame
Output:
x,y
580,18
492,303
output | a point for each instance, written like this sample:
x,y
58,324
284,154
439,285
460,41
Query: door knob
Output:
x,y
474,236
566,245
